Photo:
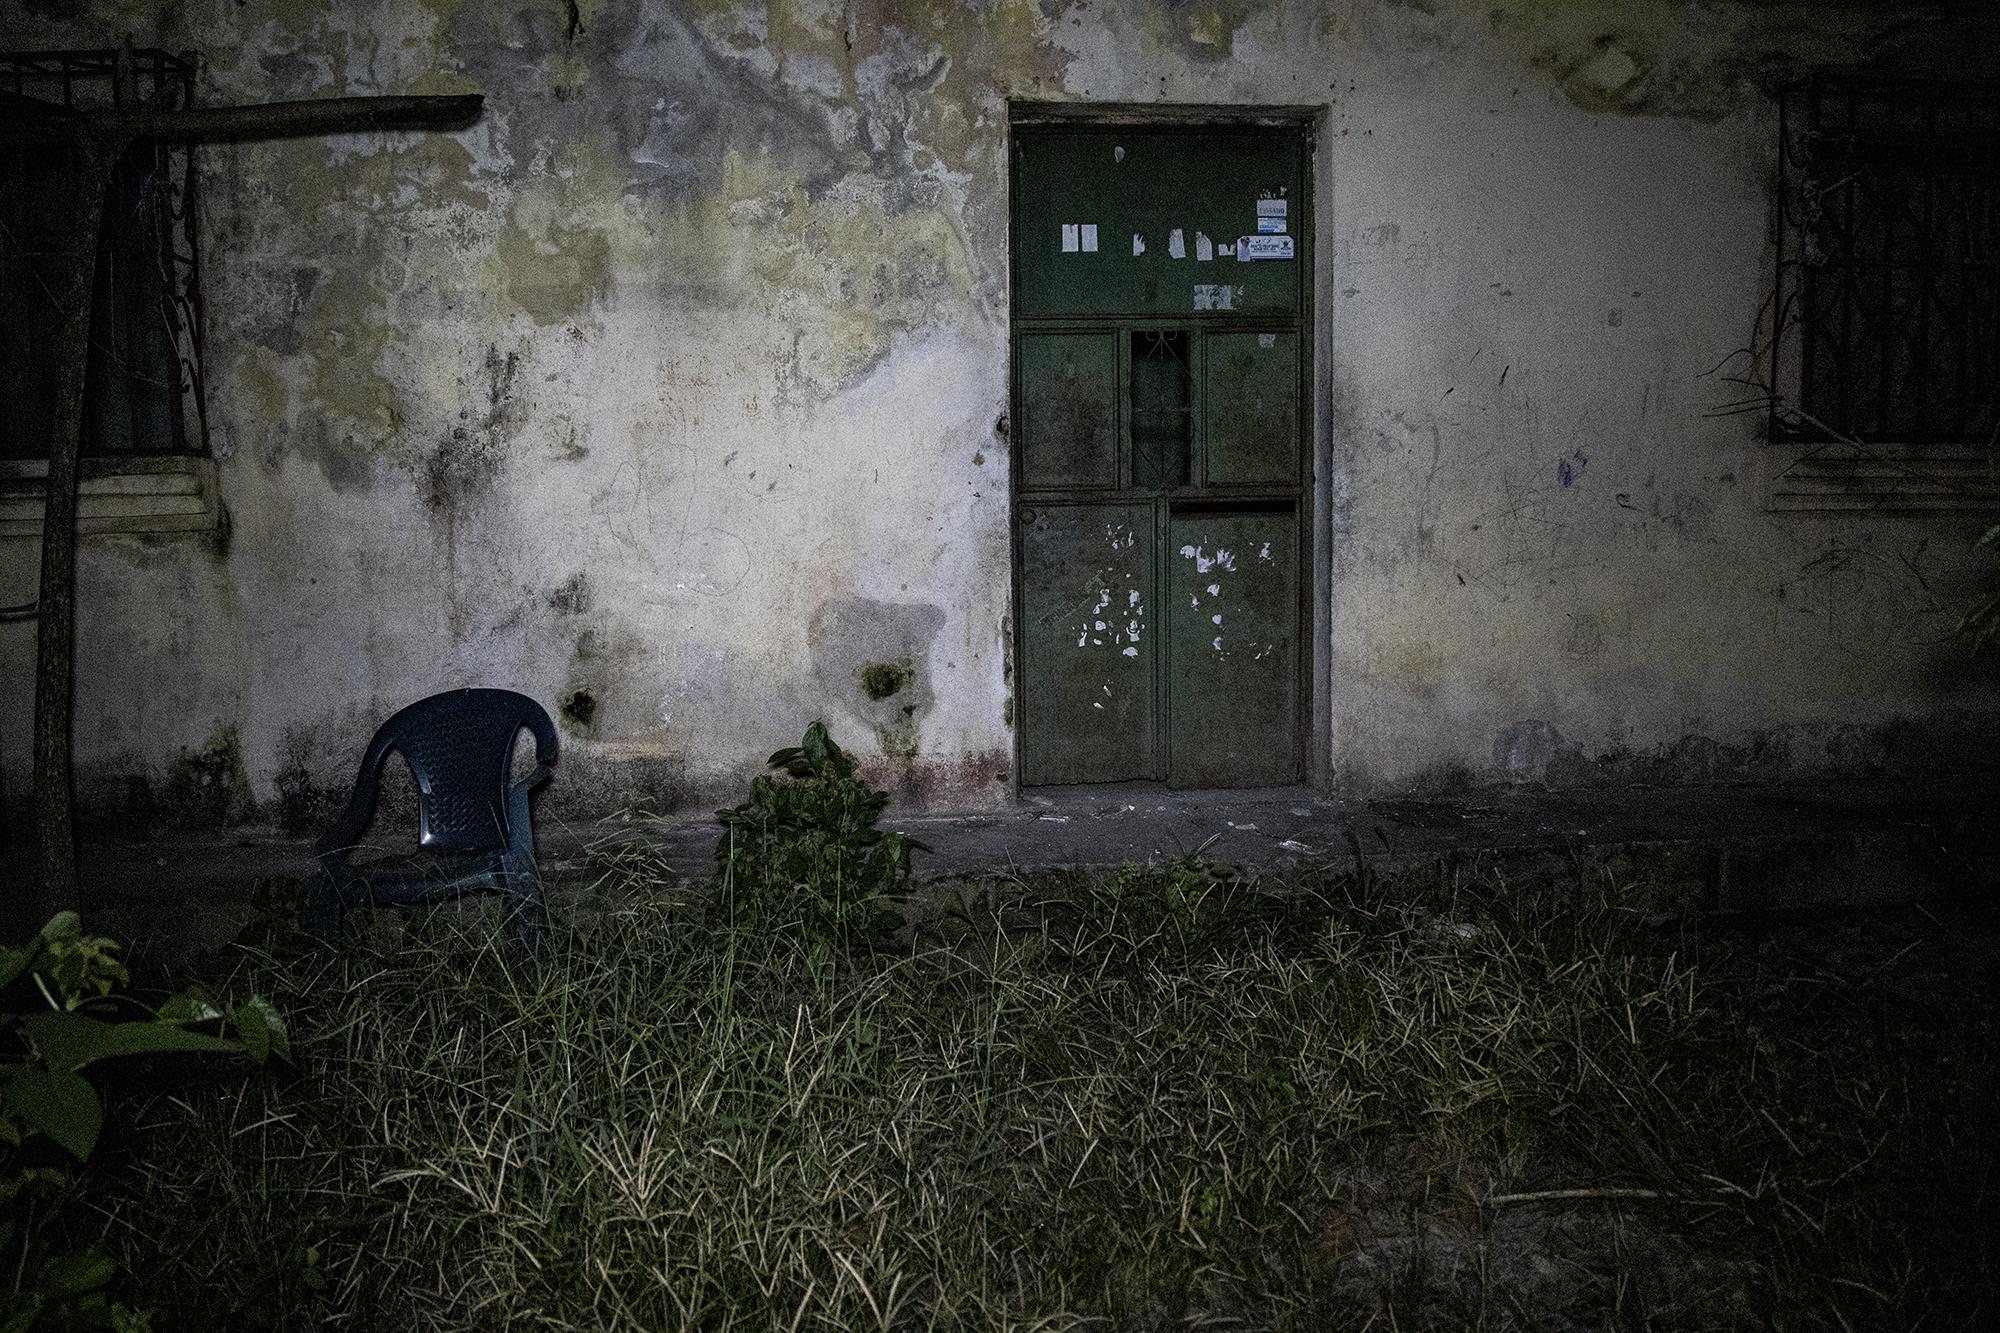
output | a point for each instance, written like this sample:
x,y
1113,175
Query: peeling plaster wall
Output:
x,y
668,392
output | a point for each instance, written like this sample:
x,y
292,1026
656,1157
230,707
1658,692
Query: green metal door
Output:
x,y
1161,284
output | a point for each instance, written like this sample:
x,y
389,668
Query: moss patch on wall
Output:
x,y
879,680
207,787
1717,60
306,798
553,271
579,712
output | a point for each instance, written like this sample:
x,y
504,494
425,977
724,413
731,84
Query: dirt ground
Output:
x,y
1713,849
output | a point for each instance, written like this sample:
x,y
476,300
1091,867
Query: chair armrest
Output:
x,y
542,773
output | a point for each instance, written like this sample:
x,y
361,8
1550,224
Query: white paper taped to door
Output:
x,y
1263,247
1215,296
1069,238
1270,216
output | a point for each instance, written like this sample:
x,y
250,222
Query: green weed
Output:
x,y
803,858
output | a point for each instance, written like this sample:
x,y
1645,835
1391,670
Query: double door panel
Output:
x,y
1159,532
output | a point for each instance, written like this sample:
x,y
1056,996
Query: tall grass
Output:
x,y
1161,1098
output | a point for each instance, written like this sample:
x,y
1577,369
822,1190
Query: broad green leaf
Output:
x,y
190,1006
256,1037
70,1275
69,1041
816,745
59,1104
262,1029
125,1319
61,926
65,1041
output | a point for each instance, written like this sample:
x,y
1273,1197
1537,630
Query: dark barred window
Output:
x,y
1888,287
143,388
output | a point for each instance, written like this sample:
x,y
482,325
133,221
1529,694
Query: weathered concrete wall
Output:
x,y
673,392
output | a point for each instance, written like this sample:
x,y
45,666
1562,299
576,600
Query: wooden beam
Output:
x,y
269,120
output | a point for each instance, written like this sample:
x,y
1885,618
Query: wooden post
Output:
x,y
91,158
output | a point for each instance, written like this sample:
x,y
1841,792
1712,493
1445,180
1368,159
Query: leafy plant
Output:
x,y
803,853
75,1016
1982,623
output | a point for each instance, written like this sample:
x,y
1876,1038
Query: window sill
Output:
x,y
1893,478
142,493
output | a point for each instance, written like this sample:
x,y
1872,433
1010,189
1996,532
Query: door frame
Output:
x,y
1314,734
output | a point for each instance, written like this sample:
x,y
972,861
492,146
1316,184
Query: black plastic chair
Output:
x,y
460,749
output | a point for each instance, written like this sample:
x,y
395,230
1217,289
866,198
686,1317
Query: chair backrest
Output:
x,y
460,749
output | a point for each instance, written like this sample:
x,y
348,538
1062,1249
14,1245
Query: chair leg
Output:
x,y
527,916
529,923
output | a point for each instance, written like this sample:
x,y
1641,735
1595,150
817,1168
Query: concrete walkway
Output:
x,y
1712,848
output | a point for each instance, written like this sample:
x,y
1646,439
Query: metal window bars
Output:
x,y
153,191
1887,301
1162,407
